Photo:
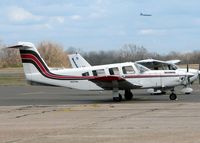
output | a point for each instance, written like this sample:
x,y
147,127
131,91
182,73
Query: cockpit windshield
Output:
x,y
141,68
173,67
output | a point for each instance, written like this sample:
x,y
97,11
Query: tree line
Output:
x,y
132,52
56,56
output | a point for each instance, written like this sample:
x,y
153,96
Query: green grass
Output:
x,y
12,76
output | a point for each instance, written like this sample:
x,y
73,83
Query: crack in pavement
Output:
x,y
42,112
129,115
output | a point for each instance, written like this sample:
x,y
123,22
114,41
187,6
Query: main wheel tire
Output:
x,y
128,95
173,96
117,99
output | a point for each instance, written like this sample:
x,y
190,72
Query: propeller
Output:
x,y
188,78
187,89
199,74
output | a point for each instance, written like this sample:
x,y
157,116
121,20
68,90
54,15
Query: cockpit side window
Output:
x,y
172,67
148,65
128,70
141,68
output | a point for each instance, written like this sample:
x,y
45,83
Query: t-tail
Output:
x,y
33,63
38,73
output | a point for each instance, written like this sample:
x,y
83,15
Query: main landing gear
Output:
x,y
172,96
128,95
117,97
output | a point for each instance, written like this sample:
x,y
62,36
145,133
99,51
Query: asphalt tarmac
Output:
x,y
44,95
54,114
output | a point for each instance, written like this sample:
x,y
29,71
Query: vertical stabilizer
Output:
x,y
31,59
77,61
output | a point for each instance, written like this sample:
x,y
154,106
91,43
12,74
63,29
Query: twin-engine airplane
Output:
x,y
115,77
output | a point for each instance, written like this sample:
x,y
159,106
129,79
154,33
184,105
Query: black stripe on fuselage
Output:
x,y
37,56
38,68
32,62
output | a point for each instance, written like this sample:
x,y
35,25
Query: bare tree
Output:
x,y
9,57
56,56
131,52
53,54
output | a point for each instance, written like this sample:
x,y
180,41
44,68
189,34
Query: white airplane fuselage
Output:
x,y
148,79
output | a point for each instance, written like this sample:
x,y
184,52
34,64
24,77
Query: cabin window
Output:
x,y
99,72
94,73
128,70
85,74
114,71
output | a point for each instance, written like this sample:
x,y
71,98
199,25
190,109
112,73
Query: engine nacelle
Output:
x,y
187,90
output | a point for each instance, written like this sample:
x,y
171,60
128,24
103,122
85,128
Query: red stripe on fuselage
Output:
x,y
54,76
33,58
47,73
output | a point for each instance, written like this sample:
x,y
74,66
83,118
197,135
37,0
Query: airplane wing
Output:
x,y
174,61
110,82
159,65
151,61
159,61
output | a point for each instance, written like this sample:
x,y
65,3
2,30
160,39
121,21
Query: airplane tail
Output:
x,y
31,59
77,61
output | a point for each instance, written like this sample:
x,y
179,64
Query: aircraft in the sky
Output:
x,y
77,61
143,14
114,77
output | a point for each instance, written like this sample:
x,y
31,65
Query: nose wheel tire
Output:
x,y
117,99
172,96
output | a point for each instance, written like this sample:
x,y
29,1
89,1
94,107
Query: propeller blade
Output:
x,y
199,74
188,82
187,67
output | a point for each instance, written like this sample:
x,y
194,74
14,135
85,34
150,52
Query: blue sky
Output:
x,y
103,24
